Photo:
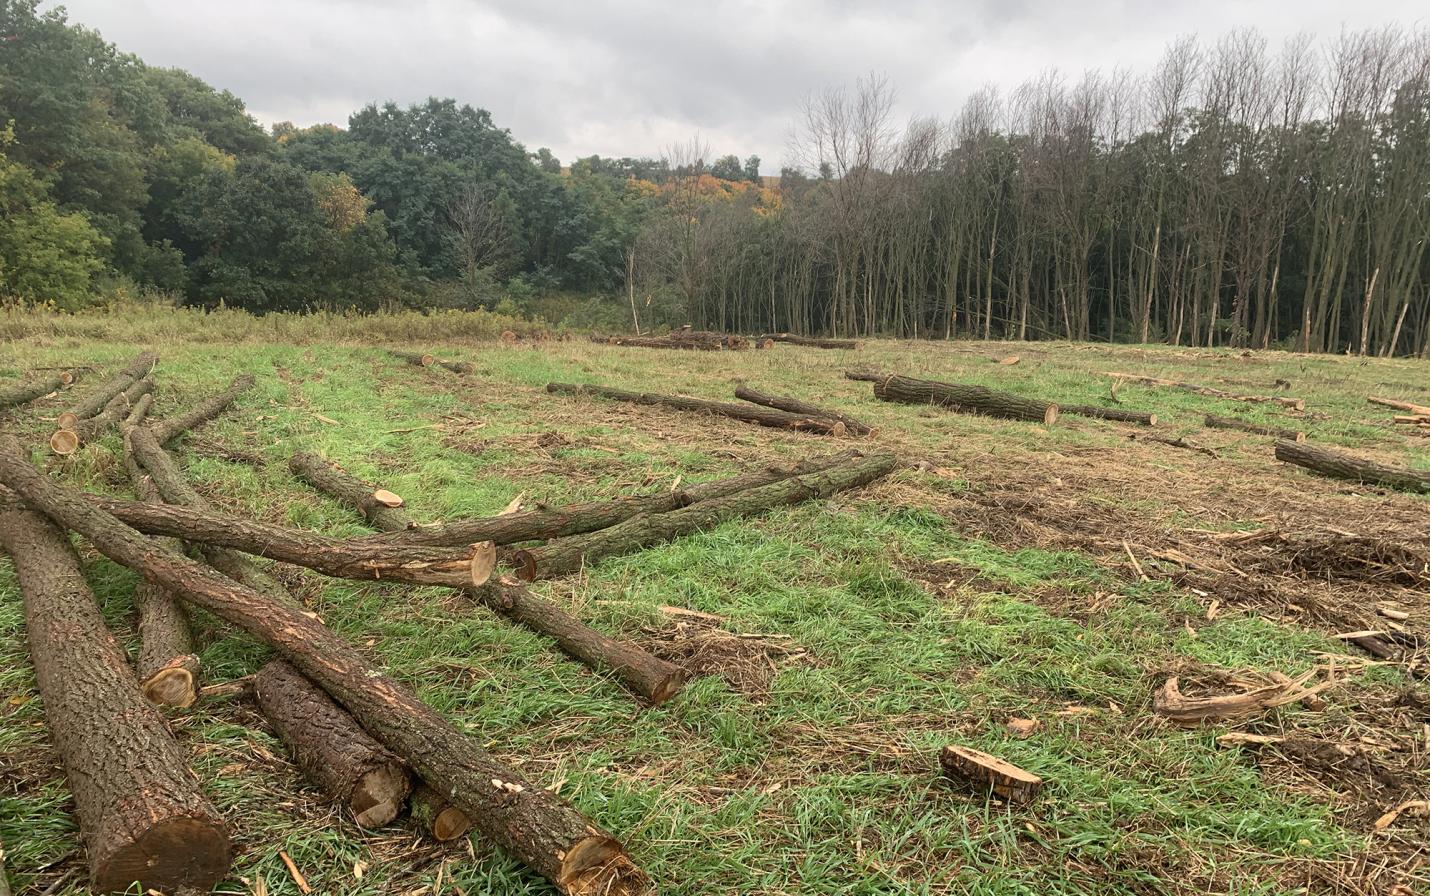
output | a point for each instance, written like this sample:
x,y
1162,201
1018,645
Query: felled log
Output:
x,y
1413,420
1292,403
1407,407
139,412
647,675
436,815
66,441
348,766
569,554
757,415
1339,465
727,341
375,504
95,400
965,398
170,428
810,341
425,360
795,406
986,773
537,827
168,666
865,375
1117,414
657,342
26,391
1215,422
141,813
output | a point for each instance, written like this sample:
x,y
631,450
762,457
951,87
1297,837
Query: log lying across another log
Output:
x,y
539,828
168,666
1215,422
26,391
966,398
170,428
142,816
647,675
570,554
375,504
352,769
1339,465
424,360
810,341
750,414
1294,404
139,413
1407,407
795,406
1102,413
94,401
987,773
66,441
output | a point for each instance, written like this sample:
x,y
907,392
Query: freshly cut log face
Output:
x,y
1339,465
387,498
437,816
66,441
142,816
94,402
354,770
985,772
966,398
331,479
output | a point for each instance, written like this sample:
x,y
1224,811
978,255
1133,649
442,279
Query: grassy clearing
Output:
x,y
882,624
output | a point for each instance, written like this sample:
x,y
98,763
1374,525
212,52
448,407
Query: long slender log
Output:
x,y
532,823
657,342
1215,422
353,770
796,406
809,341
1294,404
965,398
1407,407
26,391
336,482
142,816
170,428
139,412
865,375
757,415
543,523
95,400
647,675
66,441
336,557
1121,416
570,554
437,816
1339,465
168,667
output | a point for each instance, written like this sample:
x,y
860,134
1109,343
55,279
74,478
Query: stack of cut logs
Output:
x,y
359,735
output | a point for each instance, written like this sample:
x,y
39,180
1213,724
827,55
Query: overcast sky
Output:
x,y
631,78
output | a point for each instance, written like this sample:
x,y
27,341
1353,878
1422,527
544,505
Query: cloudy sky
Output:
x,y
631,78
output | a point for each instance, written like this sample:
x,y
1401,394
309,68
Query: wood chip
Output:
x,y
514,505
1020,727
693,614
296,874
1389,818
328,420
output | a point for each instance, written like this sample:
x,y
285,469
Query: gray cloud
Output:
x,y
630,78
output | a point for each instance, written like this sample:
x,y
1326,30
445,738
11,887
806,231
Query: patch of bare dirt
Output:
x,y
747,662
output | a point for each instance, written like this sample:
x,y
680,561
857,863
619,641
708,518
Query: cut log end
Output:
x,y
437,816
174,685
67,420
986,772
484,561
525,562
1050,416
450,824
174,854
67,377
669,686
599,866
64,442
386,498
378,796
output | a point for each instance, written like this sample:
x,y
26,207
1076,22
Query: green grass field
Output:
x,y
995,575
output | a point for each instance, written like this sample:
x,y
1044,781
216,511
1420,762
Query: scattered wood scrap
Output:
x,y
1292,403
95,400
436,815
964,398
1215,422
984,772
1169,701
1340,465
761,416
1182,442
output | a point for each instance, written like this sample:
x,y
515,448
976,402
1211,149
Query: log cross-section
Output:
x,y
94,401
985,772
970,399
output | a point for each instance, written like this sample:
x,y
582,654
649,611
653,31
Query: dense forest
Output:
x,y
1236,194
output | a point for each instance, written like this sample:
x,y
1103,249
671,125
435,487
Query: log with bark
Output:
x,y
1407,407
1294,404
865,375
424,360
1339,465
436,814
140,412
26,391
749,414
141,813
1215,422
647,675
94,401
168,666
810,341
348,766
965,398
537,827
66,441
571,554
170,428
1101,413
987,773
1412,420
796,406
656,342
373,503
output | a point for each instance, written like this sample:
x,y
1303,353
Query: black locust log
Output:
x,y
965,398
142,815
170,428
795,406
809,341
747,413
66,441
437,816
373,503
570,554
543,523
1339,465
865,375
353,770
1215,422
95,400
1294,404
647,675
535,825
26,391
1117,414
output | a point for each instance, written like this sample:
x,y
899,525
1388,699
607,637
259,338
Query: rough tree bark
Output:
x,y
535,825
1121,416
1339,465
422,360
1294,404
986,772
809,341
795,406
170,428
347,489
747,413
168,666
142,816
95,400
1215,422
139,412
66,441
26,391
965,398
570,554
351,768
647,675
437,816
